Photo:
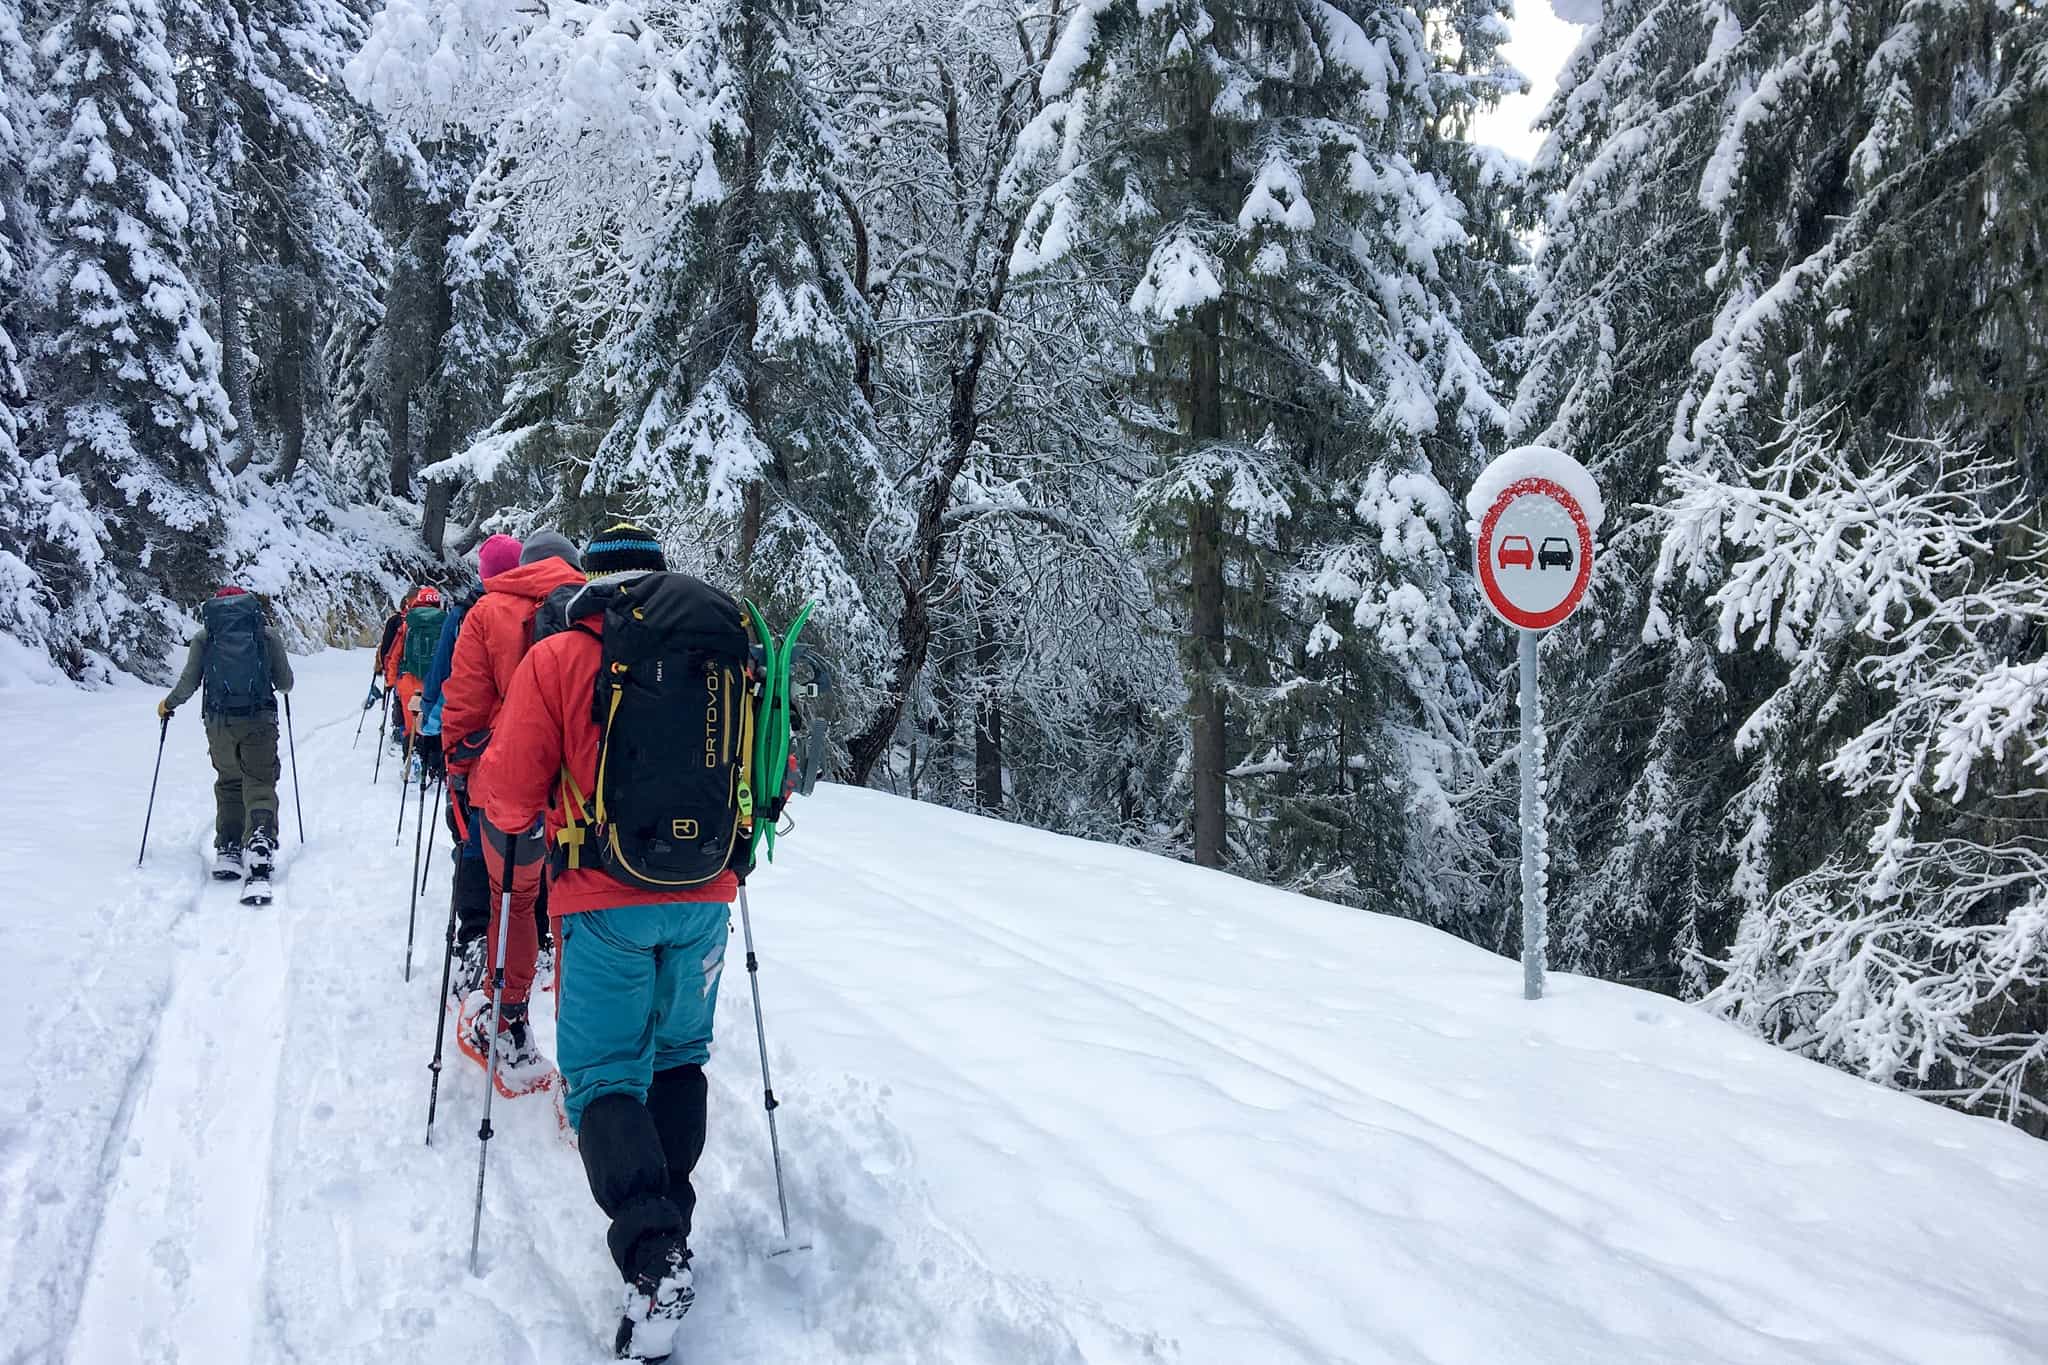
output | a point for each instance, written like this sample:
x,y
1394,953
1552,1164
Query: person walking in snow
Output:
x,y
383,667
237,662
412,651
495,634
470,889
637,969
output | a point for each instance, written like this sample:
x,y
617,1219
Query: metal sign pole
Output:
x,y
1534,913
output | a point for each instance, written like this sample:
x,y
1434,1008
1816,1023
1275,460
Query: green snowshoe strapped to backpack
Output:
x,y
236,672
422,638
673,804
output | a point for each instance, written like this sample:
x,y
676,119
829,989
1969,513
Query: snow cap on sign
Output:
x,y
1535,462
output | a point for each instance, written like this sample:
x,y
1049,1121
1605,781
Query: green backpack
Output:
x,y
422,637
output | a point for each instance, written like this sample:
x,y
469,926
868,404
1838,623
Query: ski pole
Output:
x,y
404,781
441,1024
768,1100
163,733
383,721
483,1132
298,800
412,917
372,701
440,790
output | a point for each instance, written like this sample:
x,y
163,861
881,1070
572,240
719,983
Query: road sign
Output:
x,y
1534,512
1535,548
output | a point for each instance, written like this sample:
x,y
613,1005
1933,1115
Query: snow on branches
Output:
x,y
1908,590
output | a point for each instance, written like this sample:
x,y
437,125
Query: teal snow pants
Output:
x,y
637,986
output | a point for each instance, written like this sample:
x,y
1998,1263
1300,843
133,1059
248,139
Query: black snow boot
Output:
x,y
657,1297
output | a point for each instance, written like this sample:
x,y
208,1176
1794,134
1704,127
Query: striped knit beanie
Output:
x,y
623,548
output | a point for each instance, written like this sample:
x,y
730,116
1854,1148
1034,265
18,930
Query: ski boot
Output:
x,y
262,851
656,1300
227,863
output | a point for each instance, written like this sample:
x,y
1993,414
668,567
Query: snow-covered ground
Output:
x,y
1044,1101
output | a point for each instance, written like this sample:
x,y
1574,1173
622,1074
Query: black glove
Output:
x,y
522,849
374,697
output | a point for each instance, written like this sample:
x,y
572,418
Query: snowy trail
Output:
x,y
1044,1101
175,1267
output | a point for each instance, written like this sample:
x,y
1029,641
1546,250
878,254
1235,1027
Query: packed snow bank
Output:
x,y
1043,1101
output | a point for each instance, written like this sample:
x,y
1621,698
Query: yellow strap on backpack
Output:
x,y
570,837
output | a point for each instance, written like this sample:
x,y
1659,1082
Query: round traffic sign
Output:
x,y
1535,536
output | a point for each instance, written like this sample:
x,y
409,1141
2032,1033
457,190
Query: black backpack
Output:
x,y
551,617
236,673
673,807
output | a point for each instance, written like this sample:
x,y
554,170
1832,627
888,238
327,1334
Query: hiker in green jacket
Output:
x,y
240,661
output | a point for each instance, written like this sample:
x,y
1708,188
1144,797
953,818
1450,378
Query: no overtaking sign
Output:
x,y
1534,512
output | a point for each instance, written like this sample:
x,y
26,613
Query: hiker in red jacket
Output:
x,y
637,970
494,637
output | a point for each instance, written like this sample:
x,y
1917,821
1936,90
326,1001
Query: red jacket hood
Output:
x,y
533,581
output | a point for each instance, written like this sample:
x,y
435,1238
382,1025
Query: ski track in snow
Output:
x,y
1044,1102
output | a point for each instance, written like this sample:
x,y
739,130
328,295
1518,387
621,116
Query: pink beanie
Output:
x,y
499,553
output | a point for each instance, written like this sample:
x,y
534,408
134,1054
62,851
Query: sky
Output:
x,y
1539,48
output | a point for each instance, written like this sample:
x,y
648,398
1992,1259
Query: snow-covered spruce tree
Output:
x,y
667,173
1916,952
1300,344
420,370
1030,662
124,368
275,203
26,523
1756,214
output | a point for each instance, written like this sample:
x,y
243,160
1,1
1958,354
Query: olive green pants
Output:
x,y
244,750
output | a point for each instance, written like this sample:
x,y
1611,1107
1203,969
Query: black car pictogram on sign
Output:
x,y
1556,553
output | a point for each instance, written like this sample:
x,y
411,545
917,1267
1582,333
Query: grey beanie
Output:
x,y
550,545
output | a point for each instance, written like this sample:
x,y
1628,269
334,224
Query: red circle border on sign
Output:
x,y
1495,598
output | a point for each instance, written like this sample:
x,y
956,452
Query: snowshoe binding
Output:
x,y
256,888
262,853
227,863
656,1301
522,1069
468,975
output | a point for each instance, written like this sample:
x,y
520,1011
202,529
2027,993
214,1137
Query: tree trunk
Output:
x,y
434,515
234,352
293,360
398,425
1205,622
988,717
440,444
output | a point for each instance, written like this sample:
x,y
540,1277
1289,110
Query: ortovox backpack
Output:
x,y
673,804
422,634
236,673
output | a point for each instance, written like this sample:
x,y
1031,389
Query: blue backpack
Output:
x,y
237,670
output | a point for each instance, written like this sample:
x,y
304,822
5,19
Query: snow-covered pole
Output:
x,y
1534,513
1535,914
